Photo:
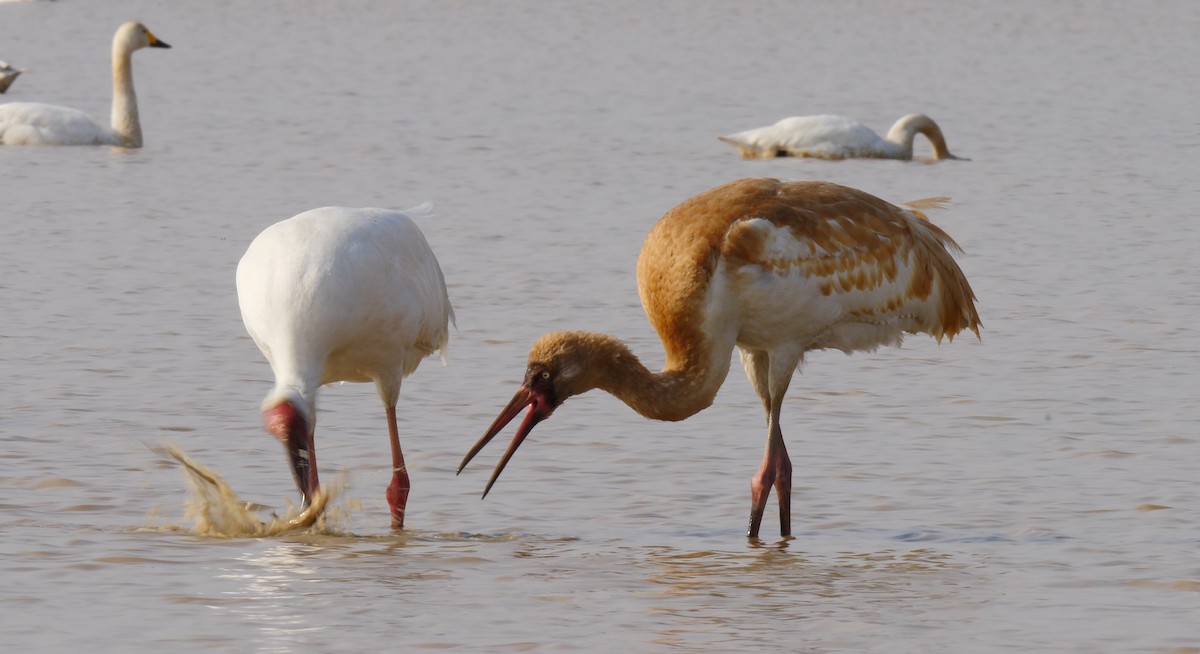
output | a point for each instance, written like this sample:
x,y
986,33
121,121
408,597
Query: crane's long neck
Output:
x,y
296,385
125,122
906,129
685,386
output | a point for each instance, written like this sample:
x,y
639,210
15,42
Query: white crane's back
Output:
x,y
341,294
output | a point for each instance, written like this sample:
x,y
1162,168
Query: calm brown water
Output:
x,y
1033,492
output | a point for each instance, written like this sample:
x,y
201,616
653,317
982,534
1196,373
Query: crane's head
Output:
x,y
287,417
561,364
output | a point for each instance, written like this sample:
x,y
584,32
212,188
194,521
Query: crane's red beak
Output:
x,y
540,408
287,424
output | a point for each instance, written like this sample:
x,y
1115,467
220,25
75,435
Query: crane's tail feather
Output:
x,y
935,202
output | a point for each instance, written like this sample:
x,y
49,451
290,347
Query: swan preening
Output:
x,y
8,75
837,137
33,123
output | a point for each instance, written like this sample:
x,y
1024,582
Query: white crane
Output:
x,y
339,294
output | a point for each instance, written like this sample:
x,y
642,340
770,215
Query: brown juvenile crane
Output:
x,y
775,268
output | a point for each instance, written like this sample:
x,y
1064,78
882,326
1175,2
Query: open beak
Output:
x,y
539,409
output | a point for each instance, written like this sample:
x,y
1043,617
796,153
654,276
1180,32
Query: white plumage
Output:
x,y
34,123
340,294
837,137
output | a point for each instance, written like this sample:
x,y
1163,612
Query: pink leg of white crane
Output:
x,y
397,491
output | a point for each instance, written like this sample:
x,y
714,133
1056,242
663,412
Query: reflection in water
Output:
x,y
707,594
271,583
216,510
770,569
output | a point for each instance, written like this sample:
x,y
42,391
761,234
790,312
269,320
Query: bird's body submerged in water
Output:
x,y
838,137
775,269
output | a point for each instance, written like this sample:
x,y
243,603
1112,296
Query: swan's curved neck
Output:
x,y
125,122
683,388
907,128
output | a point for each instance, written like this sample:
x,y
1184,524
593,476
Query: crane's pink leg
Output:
x,y
397,491
776,468
776,471
760,490
783,489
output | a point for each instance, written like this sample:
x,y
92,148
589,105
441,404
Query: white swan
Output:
x,y
8,75
33,123
837,137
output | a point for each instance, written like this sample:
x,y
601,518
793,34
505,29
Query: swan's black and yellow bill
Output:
x,y
155,42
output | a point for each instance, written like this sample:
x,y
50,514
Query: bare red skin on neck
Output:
x,y
282,420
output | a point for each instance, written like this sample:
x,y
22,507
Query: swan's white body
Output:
x,y
33,123
338,294
837,137
8,75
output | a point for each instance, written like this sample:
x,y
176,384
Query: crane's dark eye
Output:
x,y
545,374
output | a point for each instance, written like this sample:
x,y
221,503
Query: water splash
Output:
x,y
216,510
